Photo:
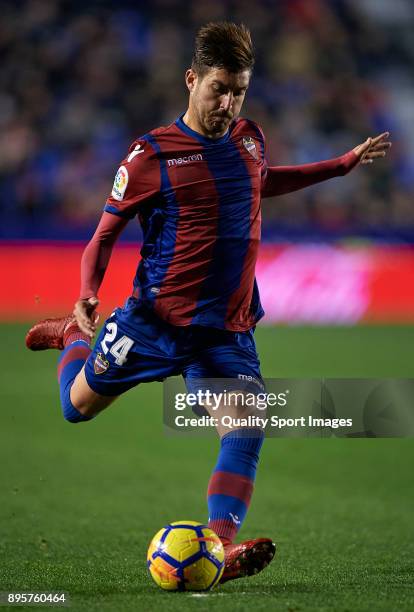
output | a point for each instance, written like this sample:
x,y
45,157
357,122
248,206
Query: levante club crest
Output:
x,y
101,364
250,146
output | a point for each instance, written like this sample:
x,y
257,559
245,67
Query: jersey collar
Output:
x,y
203,139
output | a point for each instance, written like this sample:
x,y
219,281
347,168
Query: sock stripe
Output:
x,y
225,504
75,336
229,483
74,352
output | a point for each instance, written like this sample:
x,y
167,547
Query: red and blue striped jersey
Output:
x,y
198,202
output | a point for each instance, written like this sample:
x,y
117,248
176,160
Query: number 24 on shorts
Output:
x,y
120,348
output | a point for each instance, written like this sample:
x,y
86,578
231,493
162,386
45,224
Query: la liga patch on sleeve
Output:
x,y
120,184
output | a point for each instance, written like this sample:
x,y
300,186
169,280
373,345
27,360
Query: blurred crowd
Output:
x,y
78,82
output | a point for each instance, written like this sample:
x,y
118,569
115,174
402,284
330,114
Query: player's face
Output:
x,y
216,98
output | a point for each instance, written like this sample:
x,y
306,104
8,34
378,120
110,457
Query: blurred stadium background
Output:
x,y
79,82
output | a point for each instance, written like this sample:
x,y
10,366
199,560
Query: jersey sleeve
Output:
x,y
136,181
97,254
279,180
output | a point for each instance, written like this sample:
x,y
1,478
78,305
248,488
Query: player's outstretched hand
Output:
x,y
373,148
86,316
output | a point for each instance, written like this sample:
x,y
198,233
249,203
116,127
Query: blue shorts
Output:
x,y
136,346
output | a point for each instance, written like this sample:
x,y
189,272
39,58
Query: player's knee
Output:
x,y
85,401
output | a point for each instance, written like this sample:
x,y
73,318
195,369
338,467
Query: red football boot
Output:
x,y
247,558
50,333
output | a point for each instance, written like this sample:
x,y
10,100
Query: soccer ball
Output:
x,y
186,556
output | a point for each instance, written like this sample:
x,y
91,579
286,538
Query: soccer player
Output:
x,y
196,187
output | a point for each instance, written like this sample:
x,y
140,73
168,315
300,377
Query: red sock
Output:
x,y
73,333
225,541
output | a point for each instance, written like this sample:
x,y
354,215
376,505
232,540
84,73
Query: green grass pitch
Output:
x,y
79,503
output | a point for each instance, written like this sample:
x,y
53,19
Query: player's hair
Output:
x,y
223,44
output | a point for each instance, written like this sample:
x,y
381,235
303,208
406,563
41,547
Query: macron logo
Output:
x,y
178,161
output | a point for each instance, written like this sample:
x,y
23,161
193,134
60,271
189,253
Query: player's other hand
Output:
x,y
373,148
86,316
